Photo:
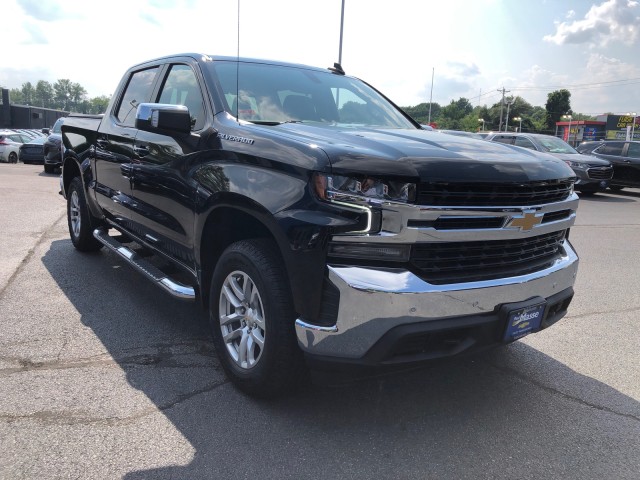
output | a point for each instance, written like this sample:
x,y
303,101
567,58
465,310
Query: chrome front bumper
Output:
x,y
373,301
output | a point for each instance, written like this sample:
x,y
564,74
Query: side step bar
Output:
x,y
153,273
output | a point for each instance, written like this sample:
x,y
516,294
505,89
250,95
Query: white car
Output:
x,y
10,145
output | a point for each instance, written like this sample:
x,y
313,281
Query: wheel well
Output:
x,y
223,227
70,171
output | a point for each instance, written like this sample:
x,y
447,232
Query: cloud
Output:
x,y
147,17
35,34
463,69
613,20
44,10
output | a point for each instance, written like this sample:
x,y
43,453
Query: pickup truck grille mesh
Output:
x,y
488,194
458,262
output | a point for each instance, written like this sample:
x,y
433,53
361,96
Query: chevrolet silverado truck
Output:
x,y
315,220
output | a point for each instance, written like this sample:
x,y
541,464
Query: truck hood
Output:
x,y
579,157
429,156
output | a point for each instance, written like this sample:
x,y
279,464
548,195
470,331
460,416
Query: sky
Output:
x,y
470,48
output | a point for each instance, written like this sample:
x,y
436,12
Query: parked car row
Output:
x,y
32,146
598,165
593,174
623,155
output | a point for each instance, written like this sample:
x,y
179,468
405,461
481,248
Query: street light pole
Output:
x,y
506,122
633,125
568,117
518,119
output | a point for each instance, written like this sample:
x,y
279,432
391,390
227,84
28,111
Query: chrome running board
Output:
x,y
153,273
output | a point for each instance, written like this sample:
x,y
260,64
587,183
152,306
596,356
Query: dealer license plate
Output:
x,y
523,321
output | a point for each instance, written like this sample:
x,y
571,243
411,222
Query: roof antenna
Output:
x,y
337,67
238,68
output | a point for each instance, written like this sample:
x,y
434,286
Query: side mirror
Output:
x,y
45,131
163,118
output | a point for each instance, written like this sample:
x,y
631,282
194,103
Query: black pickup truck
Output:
x,y
315,220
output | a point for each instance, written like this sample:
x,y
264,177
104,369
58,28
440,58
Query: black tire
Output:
x,y
254,266
13,158
615,188
79,219
49,168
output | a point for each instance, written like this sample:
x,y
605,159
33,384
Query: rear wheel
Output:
x,y
252,319
13,158
79,219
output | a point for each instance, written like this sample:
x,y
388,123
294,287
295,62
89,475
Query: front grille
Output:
x,y
600,173
490,194
457,262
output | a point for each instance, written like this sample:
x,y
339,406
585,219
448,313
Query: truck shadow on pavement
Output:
x,y
513,412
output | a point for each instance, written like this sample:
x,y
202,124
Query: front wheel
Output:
x,y
79,218
615,188
252,319
49,168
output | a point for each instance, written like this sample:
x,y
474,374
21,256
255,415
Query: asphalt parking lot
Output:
x,y
102,376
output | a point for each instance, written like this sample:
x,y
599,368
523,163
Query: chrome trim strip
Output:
x,y
308,326
396,217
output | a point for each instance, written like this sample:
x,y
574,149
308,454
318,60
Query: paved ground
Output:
x,y
102,376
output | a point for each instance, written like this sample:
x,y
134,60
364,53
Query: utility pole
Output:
x,y
433,71
506,122
503,91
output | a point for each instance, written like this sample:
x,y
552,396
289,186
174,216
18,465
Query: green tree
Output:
x,y
15,96
420,113
43,94
98,105
558,104
28,93
62,93
78,94
451,116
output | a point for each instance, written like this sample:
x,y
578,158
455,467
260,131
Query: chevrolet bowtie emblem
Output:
x,y
526,222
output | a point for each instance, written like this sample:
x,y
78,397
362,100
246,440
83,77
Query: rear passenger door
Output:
x,y
630,169
162,190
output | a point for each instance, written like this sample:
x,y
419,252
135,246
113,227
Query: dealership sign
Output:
x,y
619,126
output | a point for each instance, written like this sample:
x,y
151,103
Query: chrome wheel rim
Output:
x,y
242,319
74,214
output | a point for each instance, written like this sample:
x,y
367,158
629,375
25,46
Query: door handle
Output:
x,y
141,150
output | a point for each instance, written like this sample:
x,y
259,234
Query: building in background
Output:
x,y
26,116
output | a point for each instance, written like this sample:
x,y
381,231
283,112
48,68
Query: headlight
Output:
x,y
362,189
573,164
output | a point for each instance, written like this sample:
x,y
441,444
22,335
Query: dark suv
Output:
x,y
593,173
52,148
623,155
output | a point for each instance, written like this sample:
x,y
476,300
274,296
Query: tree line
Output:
x,y
461,115
63,94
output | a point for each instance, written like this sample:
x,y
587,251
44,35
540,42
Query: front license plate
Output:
x,y
523,321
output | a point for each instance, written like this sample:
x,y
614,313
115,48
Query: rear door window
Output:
x,y
508,139
611,148
524,142
138,91
634,150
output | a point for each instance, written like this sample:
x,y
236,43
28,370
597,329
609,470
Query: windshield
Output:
x,y
556,145
278,94
57,127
